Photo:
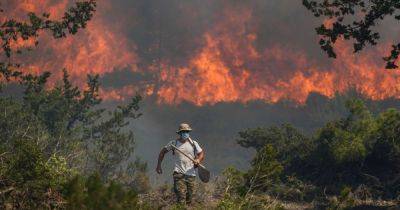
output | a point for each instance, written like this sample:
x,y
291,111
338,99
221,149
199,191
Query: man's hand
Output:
x,y
158,169
196,162
160,159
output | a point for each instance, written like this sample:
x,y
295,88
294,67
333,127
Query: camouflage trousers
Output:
x,y
183,187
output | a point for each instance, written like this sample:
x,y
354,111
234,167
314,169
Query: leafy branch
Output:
x,y
361,31
12,31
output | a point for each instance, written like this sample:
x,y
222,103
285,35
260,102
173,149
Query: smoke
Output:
x,y
206,52
99,49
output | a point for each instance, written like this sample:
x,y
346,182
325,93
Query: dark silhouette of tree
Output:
x,y
12,30
354,20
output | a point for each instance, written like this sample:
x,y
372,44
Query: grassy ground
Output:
x,y
208,196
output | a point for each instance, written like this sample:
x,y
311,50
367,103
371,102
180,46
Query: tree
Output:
x,y
356,153
11,31
342,146
354,20
64,110
383,162
31,177
41,149
78,127
265,172
54,133
289,143
33,168
108,145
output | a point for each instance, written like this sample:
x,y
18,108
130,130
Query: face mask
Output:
x,y
185,135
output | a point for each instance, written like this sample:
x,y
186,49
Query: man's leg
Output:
x,y
190,181
179,187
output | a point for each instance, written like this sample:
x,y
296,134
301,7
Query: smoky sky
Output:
x,y
173,33
173,30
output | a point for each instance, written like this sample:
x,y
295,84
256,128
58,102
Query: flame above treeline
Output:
x,y
225,62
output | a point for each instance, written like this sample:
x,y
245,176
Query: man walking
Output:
x,y
185,170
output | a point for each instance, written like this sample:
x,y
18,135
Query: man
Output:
x,y
185,170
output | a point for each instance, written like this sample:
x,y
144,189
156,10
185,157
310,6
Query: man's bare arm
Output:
x,y
160,159
200,158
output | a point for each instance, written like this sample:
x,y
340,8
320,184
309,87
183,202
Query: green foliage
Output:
x,y
57,166
294,189
360,150
353,20
12,30
233,182
178,207
141,181
344,201
38,157
30,176
92,193
62,107
227,203
266,170
289,143
382,166
110,145
342,147
135,177
53,134
93,137
277,136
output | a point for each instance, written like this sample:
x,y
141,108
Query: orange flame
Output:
x,y
229,67
96,50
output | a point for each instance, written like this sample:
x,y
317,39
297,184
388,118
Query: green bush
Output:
x,y
31,178
382,165
291,146
295,190
265,171
358,150
49,134
233,182
92,193
227,203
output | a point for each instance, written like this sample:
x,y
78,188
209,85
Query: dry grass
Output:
x,y
209,196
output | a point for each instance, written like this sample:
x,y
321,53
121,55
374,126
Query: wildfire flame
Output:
x,y
98,49
228,67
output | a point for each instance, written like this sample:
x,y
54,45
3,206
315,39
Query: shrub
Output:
x,y
360,151
232,182
92,193
31,178
265,170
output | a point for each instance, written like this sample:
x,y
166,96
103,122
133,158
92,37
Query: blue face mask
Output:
x,y
185,135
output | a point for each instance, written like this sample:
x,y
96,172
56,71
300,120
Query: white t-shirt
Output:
x,y
183,164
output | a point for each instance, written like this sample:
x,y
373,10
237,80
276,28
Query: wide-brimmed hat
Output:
x,y
184,127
